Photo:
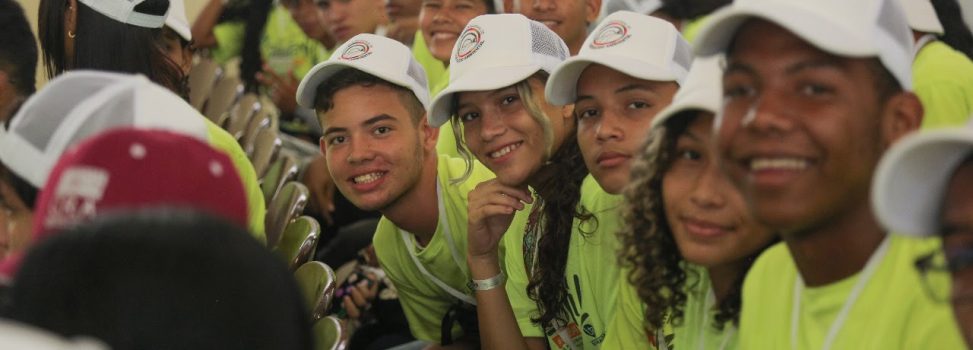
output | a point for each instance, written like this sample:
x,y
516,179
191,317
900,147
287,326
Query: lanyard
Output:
x,y
867,273
923,40
444,223
701,339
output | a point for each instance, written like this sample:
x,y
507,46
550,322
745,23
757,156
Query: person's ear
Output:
x,y
902,115
430,135
71,19
592,10
567,112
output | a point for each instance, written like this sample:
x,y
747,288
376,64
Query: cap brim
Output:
x,y
480,80
562,86
678,107
911,180
715,37
308,89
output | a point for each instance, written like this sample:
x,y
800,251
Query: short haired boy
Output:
x,y
371,98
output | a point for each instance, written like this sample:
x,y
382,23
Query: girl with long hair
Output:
x,y
495,98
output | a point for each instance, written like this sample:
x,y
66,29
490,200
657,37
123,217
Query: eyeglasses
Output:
x,y
937,274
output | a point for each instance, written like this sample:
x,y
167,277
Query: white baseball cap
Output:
x,y
496,51
859,28
124,11
80,103
910,183
703,91
373,54
922,16
177,20
638,45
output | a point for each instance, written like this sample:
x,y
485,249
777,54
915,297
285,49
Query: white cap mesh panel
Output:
x,y
49,115
683,55
416,72
546,42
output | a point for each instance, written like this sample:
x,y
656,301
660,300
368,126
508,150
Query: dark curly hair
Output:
x,y
559,189
657,269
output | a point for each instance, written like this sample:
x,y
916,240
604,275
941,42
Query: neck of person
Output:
x,y
417,211
723,277
836,249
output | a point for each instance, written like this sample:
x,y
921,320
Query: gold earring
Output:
x,y
71,34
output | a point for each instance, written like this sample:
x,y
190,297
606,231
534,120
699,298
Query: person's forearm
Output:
x,y
498,325
203,26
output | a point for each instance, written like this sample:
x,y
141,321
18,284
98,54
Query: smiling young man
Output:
x,y
568,18
371,98
815,92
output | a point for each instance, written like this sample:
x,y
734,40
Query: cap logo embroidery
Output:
x,y
469,42
76,195
357,50
613,33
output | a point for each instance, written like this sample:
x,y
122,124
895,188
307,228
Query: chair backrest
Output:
x,y
202,77
298,242
266,146
317,283
240,115
330,334
284,208
259,121
281,170
226,91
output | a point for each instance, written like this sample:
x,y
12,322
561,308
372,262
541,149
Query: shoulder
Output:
x,y
775,263
939,61
386,241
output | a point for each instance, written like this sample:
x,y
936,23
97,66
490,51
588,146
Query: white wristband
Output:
x,y
488,283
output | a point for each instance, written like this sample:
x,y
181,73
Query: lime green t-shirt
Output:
x,y
284,46
943,80
892,312
690,28
256,208
627,328
696,331
424,302
591,274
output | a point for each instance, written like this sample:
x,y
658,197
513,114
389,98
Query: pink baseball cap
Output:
x,y
126,169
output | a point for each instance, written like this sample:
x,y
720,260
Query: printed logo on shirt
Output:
x,y
469,43
357,50
613,33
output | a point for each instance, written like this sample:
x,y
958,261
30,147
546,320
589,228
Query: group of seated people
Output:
x,y
572,174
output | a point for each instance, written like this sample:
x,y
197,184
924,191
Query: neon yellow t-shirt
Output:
x,y
284,46
424,302
627,328
591,275
691,28
256,208
892,312
943,79
697,329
